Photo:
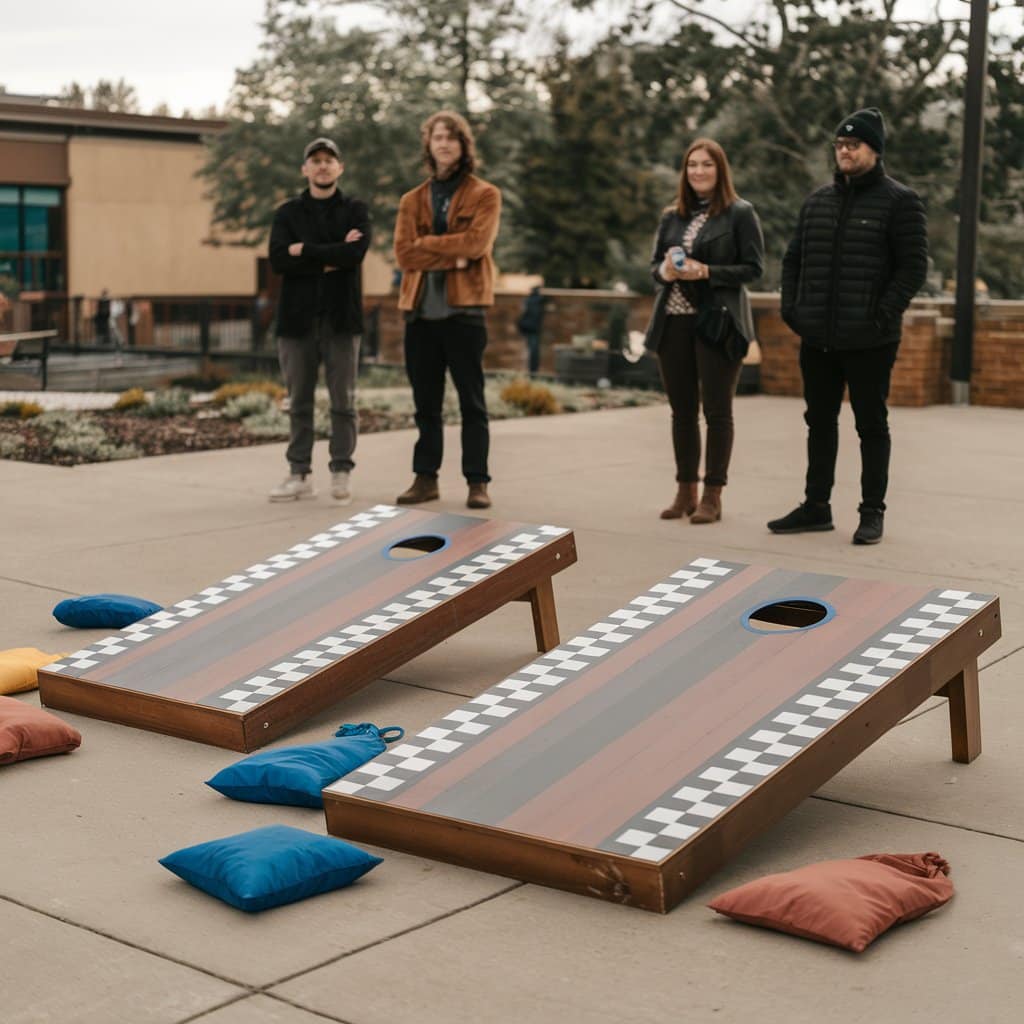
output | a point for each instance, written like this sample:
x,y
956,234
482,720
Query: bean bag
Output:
x,y
103,611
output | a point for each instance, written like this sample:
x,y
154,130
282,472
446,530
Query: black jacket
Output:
x,y
859,255
307,285
732,246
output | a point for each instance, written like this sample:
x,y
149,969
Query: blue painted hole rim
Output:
x,y
411,543
828,614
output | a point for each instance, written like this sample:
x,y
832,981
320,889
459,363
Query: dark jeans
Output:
x,y
300,363
431,348
695,374
533,351
866,372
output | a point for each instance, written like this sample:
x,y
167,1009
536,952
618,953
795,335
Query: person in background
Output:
x,y
859,255
444,242
529,325
317,243
708,247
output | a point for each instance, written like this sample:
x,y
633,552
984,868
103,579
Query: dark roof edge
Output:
x,y
43,115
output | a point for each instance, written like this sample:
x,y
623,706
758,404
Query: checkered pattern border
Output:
x,y
212,597
250,693
407,761
722,780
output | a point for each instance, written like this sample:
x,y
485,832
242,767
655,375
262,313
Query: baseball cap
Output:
x,y
322,143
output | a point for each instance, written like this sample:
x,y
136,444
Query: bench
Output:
x,y
27,346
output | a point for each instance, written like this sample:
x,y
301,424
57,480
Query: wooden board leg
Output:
x,y
545,621
964,713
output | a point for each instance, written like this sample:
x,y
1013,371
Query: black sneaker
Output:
x,y
805,518
870,529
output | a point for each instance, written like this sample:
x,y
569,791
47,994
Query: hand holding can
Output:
x,y
677,256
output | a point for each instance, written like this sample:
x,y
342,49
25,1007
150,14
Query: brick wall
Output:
x,y
920,377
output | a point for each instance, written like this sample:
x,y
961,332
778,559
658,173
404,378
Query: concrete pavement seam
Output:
x,y
917,817
268,995
398,934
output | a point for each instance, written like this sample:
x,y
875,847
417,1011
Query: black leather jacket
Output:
x,y
859,255
732,246
307,286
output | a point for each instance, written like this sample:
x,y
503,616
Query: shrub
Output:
x,y
21,410
133,398
11,446
82,436
252,403
169,402
533,399
270,423
226,392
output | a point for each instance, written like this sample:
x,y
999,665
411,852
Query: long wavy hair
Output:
x,y
724,194
459,127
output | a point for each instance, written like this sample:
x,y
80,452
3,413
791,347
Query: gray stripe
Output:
x,y
770,724
295,599
532,766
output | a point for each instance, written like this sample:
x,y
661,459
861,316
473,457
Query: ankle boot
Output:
x,y
683,504
710,508
424,488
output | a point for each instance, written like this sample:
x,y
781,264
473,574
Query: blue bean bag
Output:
x,y
296,775
103,611
270,866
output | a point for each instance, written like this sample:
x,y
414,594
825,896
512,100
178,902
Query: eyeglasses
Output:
x,y
851,144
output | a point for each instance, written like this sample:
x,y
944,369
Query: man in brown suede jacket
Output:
x,y
444,237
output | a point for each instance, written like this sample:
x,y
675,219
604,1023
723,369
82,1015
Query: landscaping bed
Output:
x,y
240,415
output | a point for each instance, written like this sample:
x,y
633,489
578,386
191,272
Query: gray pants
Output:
x,y
300,363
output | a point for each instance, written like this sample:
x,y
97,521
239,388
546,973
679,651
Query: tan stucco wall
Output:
x,y
136,221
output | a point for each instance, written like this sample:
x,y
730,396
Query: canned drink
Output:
x,y
678,258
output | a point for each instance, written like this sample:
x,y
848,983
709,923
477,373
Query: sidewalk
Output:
x,y
96,932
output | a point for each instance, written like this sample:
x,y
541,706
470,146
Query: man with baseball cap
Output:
x,y
317,243
859,255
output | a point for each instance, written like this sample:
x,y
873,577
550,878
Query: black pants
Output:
x,y
695,375
431,348
866,372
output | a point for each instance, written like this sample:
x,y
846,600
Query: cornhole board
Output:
x,y
243,661
634,760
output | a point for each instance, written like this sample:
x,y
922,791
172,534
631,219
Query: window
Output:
x,y
32,237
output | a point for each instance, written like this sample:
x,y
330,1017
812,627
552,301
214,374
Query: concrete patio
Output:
x,y
94,931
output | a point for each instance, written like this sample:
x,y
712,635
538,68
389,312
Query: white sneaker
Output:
x,y
293,487
340,491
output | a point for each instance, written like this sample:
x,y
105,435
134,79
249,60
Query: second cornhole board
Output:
x,y
634,760
243,661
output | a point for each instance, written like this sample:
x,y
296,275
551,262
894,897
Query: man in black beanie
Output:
x,y
859,255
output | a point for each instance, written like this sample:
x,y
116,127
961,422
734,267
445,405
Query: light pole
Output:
x,y
970,202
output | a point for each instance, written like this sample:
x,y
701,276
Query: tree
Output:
x,y
585,198
118,97
371,89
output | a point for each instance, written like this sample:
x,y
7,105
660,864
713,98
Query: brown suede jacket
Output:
x,y
472,227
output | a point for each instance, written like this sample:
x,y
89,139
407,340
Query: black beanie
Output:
x,y
866,125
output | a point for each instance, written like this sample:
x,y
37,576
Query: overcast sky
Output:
x,y
185,52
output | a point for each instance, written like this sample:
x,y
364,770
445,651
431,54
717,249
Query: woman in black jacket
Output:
x,y
709,246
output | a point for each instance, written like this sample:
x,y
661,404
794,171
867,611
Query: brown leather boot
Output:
x,y
478,497
424,488
683,504
710,508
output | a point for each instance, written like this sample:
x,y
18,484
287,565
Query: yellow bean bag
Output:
x,y
18,668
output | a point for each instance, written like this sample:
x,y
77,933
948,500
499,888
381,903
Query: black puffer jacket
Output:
x,y
859,255
328,273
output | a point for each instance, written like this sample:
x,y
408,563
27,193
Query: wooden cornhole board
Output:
x,y
243,661
632,761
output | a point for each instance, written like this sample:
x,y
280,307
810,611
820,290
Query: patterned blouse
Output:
x,y
677,303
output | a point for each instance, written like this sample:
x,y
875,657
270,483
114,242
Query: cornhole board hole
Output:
x,y
243,661
632,761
